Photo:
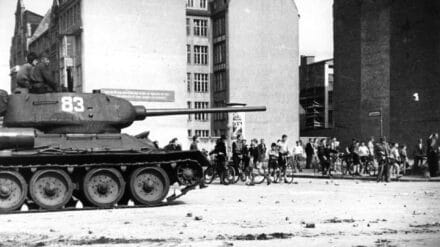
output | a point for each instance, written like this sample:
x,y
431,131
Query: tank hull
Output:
x,y
81,163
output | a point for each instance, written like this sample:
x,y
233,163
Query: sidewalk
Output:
x,y
308,173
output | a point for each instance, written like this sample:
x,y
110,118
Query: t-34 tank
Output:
x,y
57,148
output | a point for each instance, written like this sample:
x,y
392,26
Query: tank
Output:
x,y
61,150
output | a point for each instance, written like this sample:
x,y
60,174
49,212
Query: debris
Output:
x,y
239,200
287,218
89,232
51,230
126,223
198,218
277,202
368,225
310,225
189,215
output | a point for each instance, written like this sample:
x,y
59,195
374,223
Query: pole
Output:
x,y
381,122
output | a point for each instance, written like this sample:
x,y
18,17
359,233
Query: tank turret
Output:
x,y
85,113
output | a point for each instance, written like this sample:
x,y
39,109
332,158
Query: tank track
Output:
x,y
76,173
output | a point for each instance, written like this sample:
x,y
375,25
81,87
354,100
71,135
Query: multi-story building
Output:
x,y
387,69
131,50
199,68
255,53
226,52
26,22
316,95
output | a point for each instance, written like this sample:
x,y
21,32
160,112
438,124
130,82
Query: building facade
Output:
x,y
386,56
199,69
255,52
316,95
26,22
225,52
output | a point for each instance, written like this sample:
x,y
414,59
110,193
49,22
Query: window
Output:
x,y
200,27
220,53
219,81
200,83
330,97
203,4
330,117
188,82
219,27
201,116
190,133
201,54
188,54
202,133
188,26
190,3
330,80
189,107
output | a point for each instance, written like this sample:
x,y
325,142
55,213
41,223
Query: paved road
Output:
x,y
313,212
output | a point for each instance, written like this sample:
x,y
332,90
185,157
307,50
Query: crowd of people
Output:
x,y
323,153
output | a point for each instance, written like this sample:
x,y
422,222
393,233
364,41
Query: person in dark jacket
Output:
x,y
432,153
419,155
42,78
310,151
23,73
221,157
194,144
382,152
172,145
324,155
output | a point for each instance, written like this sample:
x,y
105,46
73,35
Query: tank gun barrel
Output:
x,y
142,112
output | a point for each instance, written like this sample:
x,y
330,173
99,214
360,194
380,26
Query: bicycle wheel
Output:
x,y
229,176
209,175
289,172
258,175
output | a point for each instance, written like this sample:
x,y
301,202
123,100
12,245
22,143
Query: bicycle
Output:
x,y
212,172
369,166
285,172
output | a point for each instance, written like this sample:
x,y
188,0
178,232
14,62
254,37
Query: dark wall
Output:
x,y
347,68
375,68
415,68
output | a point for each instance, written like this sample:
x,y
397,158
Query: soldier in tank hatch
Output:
x,y
23,73
42,78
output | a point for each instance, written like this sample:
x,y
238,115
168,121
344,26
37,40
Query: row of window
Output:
x,y
219,27
219,116
200,27
202,4
220,53
200,54
70,17
200,133
219,81
199,105
200,82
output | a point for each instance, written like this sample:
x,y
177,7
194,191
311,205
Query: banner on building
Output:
x,y
141,95
238,124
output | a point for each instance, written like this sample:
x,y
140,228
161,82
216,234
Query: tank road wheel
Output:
x,y
13,190
149,185
51,188
103,187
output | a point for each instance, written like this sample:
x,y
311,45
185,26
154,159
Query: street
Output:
x,y
313,212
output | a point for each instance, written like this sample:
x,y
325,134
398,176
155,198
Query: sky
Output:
x,y
315,29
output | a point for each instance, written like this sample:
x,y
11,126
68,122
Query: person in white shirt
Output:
x,y
284,150
395,159
298,154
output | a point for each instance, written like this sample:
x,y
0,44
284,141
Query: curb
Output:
x,y
402,179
